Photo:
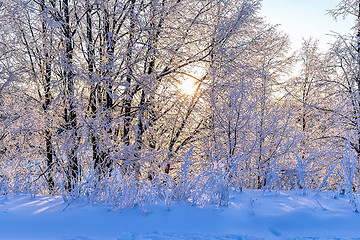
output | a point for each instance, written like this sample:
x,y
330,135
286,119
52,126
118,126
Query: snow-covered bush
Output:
x,y
349,162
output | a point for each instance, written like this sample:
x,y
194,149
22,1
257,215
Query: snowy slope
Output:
x,y
251,215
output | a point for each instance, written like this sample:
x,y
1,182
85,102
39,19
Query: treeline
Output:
x,y
93,102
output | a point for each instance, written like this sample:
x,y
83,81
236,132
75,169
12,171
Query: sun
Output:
x,y
188,86
191,79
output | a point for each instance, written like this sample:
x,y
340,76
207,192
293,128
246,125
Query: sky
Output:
x,y
304,18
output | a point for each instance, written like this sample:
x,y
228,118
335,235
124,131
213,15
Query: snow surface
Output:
x,y
250,215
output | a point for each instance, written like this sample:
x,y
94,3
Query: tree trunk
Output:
x,y
128,93
70,107
47,101
358,89
93,108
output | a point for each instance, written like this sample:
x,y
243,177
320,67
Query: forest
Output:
x,y
130,102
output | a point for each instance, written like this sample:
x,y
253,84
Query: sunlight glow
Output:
x,y
191,79
188,86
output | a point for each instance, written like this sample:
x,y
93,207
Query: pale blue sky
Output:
x,y
305,18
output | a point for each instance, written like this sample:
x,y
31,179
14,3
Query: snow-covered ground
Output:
x,y
250,215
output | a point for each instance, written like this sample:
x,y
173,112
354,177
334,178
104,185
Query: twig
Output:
x,y
319,203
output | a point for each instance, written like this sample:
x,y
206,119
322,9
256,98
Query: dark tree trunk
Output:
x,y
93,108
103,92
70,107
128,92
357,117
47,100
